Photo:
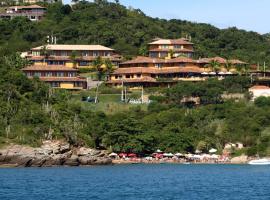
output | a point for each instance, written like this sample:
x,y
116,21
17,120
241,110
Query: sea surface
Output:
x,y
130,182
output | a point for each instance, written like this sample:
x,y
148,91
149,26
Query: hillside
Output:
x,y
30,111
128,31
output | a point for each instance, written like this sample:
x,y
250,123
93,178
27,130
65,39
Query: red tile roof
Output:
x,y
48,68
181,60
137,80
236,61
153,70
168,50
142,59
179,41
208,60
26,7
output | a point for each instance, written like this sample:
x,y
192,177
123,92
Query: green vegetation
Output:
x,y
30,111
128,31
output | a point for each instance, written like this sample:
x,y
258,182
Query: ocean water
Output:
x,y
130,182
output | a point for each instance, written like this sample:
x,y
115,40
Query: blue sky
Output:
x,y
245,14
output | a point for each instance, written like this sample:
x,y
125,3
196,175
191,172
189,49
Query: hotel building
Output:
x,y
58,64
166,65
32,12
73,56
170,48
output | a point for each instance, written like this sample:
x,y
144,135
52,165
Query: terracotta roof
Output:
x,y
179,41
235,61
259,87
26,7
62,79
137,80
174,50
142,59
181,60
48,68
74,47
153,70
208,60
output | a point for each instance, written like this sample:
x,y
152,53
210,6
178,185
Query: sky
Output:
x,y
251,15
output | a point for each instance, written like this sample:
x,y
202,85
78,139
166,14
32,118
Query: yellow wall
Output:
x,y
66,85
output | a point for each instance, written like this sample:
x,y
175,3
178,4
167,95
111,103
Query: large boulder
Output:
x,y
83,151
72,161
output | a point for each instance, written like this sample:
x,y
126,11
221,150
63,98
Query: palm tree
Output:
x,y
171,53
45,52
73,57
108,67
214,65
98,63
228,65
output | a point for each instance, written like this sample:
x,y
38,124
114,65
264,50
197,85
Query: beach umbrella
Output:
x,y
168,154
122,155
159,151
198,151
178,154
221,73
212,73
113,155
212,150
204,73
229,73
133,155
158,155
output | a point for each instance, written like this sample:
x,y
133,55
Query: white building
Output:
x,y
259,91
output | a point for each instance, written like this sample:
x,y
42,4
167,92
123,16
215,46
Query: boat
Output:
x,y
259,162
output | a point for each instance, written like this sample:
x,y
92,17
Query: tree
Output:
x,y
214,66
98,65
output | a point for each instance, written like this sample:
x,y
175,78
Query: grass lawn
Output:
x,y
108,103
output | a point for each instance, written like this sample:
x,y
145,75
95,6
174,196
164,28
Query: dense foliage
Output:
x,y
30,111
129,30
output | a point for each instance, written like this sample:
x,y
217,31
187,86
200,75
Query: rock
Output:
x,y
64,148
92,160
54,147
52,153
72,161
103,161
240,159
87,151
87,160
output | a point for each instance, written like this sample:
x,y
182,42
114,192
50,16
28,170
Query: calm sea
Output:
x,y
130,182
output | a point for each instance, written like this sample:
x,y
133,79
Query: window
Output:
x,y
38,74
60,74
63,53
55,84
182,65
127,76
85,53
177,46
139,75
164,46
158,65
84,63
95,53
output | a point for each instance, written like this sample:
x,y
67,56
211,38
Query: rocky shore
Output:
x,y
52,153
